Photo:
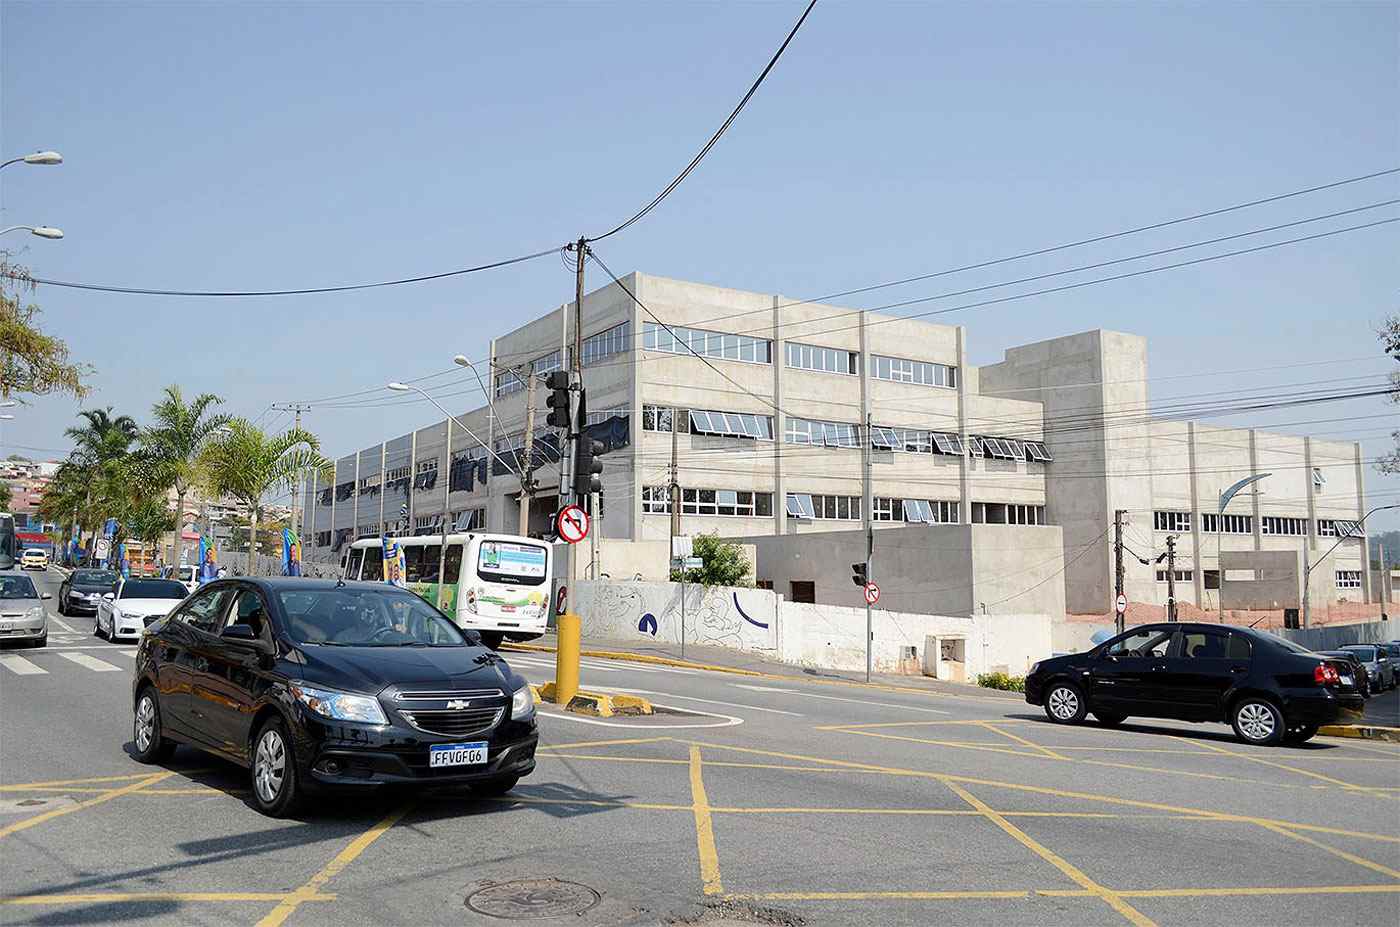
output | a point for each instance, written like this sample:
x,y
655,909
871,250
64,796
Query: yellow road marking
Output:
x,y
1060,793
664,761
345,857
977,722
1071,893
1244,890
1132,914
591,802
27,823
874,896
1343,854
113,897
704,828
54,783
1351,786
602,743
1024,742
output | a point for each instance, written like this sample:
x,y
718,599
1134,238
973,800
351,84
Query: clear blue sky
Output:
x,y
253,145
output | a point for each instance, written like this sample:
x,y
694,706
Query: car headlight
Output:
x,y
522,703
36,613
340,706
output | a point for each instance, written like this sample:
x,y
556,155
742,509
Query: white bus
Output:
x,y
503,592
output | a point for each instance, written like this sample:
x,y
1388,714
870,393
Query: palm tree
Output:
x,y
99,461
243,462
170,449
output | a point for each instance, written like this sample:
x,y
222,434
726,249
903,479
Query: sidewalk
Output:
x,y
723,659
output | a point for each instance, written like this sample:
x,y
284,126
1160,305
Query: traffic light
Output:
x,y
558,400
587,466
858,574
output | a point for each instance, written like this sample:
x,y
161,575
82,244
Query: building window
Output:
x,y
915,511
827,360
820,434
731,424
676,339
428,466
799,505
901,370
1182,576
602,415
607,343
1277,524
803,591
1212,523
1326,528
1007,513
1317,477
513,380
1348,579
1171,521
656,501
763,584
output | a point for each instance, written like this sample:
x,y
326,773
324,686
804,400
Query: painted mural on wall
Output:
x,y
716,616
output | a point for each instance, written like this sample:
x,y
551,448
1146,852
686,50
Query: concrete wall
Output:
x,y
1276,582
817,636
1340,635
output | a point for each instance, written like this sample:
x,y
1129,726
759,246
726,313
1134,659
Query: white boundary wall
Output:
x,y
819,636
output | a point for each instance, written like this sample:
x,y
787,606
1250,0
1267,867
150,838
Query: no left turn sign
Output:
x,y
572,524
872,593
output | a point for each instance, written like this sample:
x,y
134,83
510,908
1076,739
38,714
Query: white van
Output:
x,y
503,592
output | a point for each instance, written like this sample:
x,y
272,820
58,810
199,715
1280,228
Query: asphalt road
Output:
x,y
785,800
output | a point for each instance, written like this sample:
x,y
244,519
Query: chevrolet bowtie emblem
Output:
x,y
459,703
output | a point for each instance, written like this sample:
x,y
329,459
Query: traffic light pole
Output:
x,y
566,663
869,543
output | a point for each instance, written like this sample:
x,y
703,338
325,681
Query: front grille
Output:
x,y
454,722
448,694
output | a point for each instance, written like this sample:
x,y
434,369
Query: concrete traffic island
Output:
x,y
597,704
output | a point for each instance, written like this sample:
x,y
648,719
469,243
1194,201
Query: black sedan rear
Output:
x,y
1271,690
317,685
1358,669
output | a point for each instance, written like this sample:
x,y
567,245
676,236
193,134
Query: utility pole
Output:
x,y
1171,577
567,654
527,473
298,408
446,520
673,488
1118,566
867,493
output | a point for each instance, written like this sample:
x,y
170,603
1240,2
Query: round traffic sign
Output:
x,y
102,549
1121,604
872,593
572,524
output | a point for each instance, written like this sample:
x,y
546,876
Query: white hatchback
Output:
x,y
135,604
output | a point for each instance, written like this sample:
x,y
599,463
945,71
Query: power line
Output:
x,y
666,191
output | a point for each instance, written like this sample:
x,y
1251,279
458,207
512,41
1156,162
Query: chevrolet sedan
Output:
x,y
316,686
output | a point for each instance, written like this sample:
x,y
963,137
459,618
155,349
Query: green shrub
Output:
x,y
1002,681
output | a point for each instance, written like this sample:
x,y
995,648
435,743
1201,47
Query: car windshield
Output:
x,y
17,587
94,578
1365,653
379,617
153,589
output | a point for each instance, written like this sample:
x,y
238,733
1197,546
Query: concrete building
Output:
x,y
766,399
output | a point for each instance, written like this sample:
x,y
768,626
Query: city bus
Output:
x,y
495,584
9,544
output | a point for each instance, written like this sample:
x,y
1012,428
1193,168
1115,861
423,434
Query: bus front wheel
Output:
x,y
491,639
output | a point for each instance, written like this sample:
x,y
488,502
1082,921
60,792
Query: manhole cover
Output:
x,y
526,899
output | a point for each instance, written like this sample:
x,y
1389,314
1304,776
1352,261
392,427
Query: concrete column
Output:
x,y
780,422
1253,498
1198,580
311,520
635,427
383,463
412,476
868,493
965,462
1311,537
1360,514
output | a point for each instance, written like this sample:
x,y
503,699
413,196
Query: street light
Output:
x,y
1365,558
408,387
43,231
38,157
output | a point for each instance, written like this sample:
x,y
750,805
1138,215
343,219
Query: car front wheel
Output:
x,y
1258,722
1064,704
276,791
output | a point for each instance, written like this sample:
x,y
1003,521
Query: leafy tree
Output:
x,y
149,518
243,462
724,564
31,362
1390,341
170,449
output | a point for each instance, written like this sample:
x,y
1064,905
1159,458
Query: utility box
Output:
x,y
945,657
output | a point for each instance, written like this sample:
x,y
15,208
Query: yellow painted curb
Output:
x,y
597,704
1364,731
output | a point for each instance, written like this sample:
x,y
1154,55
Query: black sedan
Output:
x,y
317,685
80,592
1358,669
1271,690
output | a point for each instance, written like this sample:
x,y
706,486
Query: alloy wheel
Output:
x,y
269,766
145,723
1064,704
1256,721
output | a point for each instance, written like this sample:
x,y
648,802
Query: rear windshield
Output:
x,y
153,589
346,616
1274,639
1364,652
94,578
17,587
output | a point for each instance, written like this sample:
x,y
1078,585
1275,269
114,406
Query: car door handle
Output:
x,y
1159,668
1237,669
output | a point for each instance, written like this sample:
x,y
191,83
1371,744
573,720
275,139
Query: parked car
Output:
x,y
1392,650
34,558
1358,669
330,685
80,592
135,604
1378,666
1271,690
22,614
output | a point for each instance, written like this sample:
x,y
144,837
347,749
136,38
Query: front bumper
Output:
x,y
1035,690
80,606
23,630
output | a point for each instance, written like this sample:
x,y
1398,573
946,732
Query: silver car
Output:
x,y
22,613
1378,665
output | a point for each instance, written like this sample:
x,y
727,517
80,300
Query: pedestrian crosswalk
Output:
x,y
52,660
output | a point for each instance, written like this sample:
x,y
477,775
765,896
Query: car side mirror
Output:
x,y
46,595
109,596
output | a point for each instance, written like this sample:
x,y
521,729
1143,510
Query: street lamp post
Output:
x,y
43,231
1365,558
38,157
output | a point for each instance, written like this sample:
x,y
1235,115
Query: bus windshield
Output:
x,y
511,563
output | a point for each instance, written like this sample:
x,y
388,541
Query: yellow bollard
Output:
x,y
566,659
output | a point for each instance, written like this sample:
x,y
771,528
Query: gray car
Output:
x,y
1378,665
23,617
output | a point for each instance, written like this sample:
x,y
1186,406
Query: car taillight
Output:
x,y
1325,673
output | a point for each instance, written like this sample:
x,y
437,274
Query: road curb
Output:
x,y
1362,731
597,704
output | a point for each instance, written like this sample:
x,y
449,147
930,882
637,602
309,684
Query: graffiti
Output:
x,y
653,611
745,615
648,624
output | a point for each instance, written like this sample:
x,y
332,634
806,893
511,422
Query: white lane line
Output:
x,y
20,665
60,648
92,663
837,698
63,624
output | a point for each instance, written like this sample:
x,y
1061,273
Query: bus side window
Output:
x,y
374,566
428,567
412,563
352,571
452,566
